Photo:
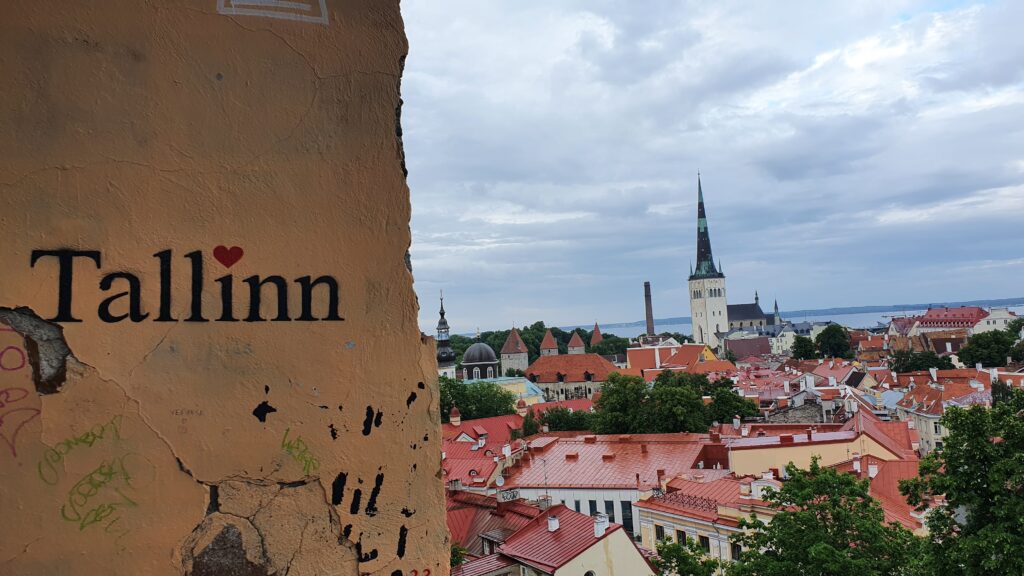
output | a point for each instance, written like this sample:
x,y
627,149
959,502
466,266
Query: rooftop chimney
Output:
x,y
872,470
978,367
736,422
934,372
600,524
809,432
544,502
455,417
832,381
649,308
856,462
552,523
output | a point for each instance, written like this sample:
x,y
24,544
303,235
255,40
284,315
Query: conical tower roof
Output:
x,y
514,343
596,337
705,261
548,343
576,341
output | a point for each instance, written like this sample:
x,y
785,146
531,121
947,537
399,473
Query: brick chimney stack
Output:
x,y
649,308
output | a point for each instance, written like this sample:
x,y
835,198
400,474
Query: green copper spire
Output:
x,y
705,261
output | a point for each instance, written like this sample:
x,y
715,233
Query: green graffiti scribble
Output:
x,y
47,467
300,453
109,472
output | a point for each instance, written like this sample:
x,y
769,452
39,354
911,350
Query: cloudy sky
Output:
x,y
851,154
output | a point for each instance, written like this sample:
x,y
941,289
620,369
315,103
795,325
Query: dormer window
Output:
x,y
587,376
561,377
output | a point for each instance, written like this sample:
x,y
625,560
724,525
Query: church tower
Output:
x,y
709,313
445,354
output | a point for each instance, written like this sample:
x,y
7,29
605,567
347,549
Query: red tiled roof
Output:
x,y
514,344
607,461
700,499
884,487
749,346
838,368
649,356
498,428
469,515
929,398
575,405
548,343
596,337
482,566
572,368
965,316
576,341
535,546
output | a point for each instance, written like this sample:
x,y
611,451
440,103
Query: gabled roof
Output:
x,y
700,499
469,515
498,428
535,546
596,337
572,368
514,344
964,316
576,341
738,312
574,405
483,566
548,343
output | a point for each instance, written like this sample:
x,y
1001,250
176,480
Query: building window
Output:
x,y
593,507
476,373
938,445
576,503
705,543
609,509
680,536
627,516
938,428
659,532
490,372
736,551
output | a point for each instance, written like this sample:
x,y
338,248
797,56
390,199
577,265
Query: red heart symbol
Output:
x,y
228,256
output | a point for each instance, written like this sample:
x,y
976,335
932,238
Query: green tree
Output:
x,y
474,400
910,361
611,344
458,555
803,348
684,559
676,407
833,342
725,404
989,348
559,419
729,355
531,425
678,336
826,523
980,474
621,406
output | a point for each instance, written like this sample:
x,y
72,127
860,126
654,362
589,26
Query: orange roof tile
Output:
x,y
576,341
498,428
514,344
548,343
571,367
575,405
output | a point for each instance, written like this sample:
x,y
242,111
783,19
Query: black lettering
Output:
x,y
227,307
197,287
134,294
165,287
255,287
307,298
65,262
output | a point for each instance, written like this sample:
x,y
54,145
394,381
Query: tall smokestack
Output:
x,y
650,309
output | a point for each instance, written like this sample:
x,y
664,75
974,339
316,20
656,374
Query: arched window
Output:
x,y
465,373
490,372
476,373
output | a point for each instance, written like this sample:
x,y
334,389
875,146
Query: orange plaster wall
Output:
x,y
132,128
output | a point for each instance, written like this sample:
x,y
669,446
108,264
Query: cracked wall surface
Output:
x,y
210,362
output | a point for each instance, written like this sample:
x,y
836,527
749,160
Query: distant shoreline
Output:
x,y
840,311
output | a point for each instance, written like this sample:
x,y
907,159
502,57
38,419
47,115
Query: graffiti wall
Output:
x,y
209,355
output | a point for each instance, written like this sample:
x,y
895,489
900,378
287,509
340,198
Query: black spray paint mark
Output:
x,y
421,386
266,389
371,504
407,513
426,437
214,504
371,420
334,431
410,399
357,499
403,533
338,488
347,531
397,573
371,555
262,410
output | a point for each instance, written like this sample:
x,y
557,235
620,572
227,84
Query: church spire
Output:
x,y
705,261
